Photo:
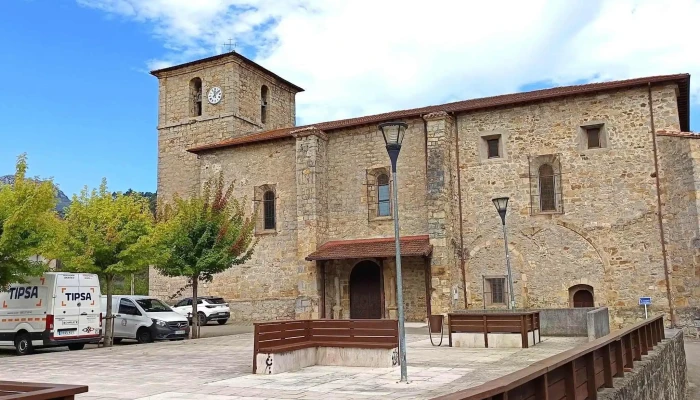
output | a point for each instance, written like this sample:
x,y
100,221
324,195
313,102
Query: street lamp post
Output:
x,y
501,204
393,133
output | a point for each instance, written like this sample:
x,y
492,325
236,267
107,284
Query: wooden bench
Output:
x,y
38,391
495,329
325,340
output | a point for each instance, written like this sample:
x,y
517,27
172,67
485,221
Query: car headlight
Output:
x,y
159,322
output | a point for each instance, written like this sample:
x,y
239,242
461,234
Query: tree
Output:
x,y
28,222
107,235
202,236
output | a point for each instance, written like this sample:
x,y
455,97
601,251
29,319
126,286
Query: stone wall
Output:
x,y
660,375
679,175
597,323
607,236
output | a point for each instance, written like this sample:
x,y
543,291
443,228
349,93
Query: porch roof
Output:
x,y
411,246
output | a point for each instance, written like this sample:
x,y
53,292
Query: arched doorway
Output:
x,y
581,296
366,291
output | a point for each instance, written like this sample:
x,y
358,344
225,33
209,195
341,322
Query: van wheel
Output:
x,y
76,346
144,336
23,344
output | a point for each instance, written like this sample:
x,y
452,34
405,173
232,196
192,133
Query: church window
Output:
x,y
265,203
547,194
495,290
593,136
383,201
269,210
545,184
195,97
263,104
493,148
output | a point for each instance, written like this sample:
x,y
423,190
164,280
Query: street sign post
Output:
x,y
645,301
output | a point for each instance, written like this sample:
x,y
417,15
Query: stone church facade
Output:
x,y
603,185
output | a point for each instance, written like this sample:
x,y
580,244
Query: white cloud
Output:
x,y
366,56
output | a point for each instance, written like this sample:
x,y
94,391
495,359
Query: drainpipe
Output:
x,y
659,210
461,229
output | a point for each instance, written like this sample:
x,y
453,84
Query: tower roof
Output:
x,y
159,72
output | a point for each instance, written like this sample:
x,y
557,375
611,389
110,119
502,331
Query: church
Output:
x,y
603,182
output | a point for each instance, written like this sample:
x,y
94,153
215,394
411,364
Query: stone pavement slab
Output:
x,y
219,369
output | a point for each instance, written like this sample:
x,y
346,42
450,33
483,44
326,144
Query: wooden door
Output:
x,y
366,291
583,298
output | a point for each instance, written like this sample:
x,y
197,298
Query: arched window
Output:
x,y
195,97
263,104
269,209
548,201
383,202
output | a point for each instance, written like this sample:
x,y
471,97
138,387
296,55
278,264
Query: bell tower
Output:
x,y
209,100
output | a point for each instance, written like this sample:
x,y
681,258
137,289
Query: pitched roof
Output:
x,y
683,81
411,246
240,57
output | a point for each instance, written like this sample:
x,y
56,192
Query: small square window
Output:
x,y
493,147
593,138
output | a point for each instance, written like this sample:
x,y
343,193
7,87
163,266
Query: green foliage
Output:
x,y
106,234
28,223
150,196
204,235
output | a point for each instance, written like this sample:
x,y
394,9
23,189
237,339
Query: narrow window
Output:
x,y
497,286
383,202
493,146
269,209
196,97
593,137
547,193
263,104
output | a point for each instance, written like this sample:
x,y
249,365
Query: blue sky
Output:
x,y
78,99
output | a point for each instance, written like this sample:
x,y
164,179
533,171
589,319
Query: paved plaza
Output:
x,y
219,368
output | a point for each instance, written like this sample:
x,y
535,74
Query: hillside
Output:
x,y
63,200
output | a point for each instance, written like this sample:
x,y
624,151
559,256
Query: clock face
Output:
x,y
214,95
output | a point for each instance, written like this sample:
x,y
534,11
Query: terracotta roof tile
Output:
x,y
692,135
411,246
475,104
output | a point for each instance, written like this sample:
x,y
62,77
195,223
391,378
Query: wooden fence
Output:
x,y
523,323
38,391
278,336
575,374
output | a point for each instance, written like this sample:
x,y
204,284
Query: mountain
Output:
x,y
63,200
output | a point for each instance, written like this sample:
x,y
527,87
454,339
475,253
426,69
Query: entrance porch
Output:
x,y
358,278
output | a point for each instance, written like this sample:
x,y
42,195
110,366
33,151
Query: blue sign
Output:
x,y
645,301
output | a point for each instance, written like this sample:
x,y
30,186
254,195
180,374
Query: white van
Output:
x,y
145,319
56,309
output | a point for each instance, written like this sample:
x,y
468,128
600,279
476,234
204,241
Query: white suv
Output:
x,y
209,308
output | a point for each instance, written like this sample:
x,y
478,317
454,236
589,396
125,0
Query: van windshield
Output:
x,y
153,305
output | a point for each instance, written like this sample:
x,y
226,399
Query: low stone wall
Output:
x,y
277,363
597,323
587,322
660,375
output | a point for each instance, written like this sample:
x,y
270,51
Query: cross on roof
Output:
x,y
231,46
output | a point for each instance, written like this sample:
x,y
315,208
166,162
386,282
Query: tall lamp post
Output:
x,y
501,204
393,133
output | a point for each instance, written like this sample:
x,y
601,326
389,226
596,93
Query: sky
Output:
x,y
78,99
